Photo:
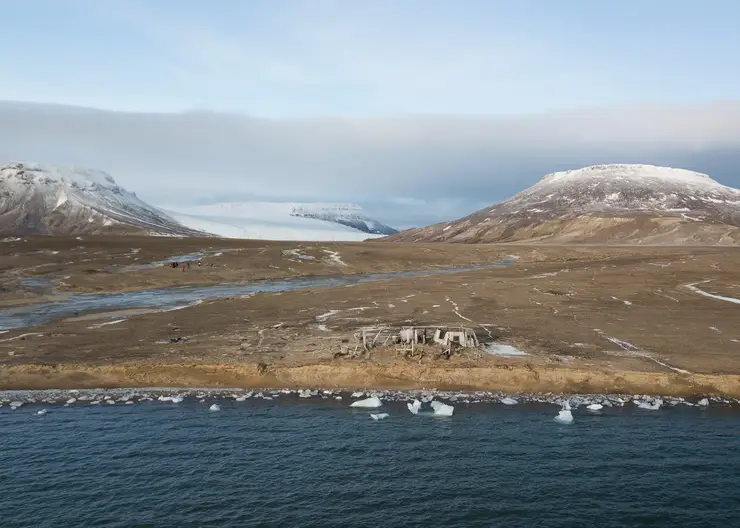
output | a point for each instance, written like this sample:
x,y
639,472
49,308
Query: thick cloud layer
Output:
x,y
406,170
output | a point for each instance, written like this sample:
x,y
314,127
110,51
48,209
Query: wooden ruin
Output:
x,y
408,338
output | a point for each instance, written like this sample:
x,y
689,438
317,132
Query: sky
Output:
x,y
420,110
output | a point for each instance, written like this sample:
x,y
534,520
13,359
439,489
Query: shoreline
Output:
x,y
396,376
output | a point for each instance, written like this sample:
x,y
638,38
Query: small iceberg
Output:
x,y
565,416
368,403
414,407
649,406
41,412
509,401
71,401
442,409
594,407
704,402
214,408
14,405
379,416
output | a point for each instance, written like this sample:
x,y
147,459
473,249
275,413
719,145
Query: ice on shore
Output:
x,y
414,407
379,416
369,403
654,405
442,409
509,401
214,408
565,416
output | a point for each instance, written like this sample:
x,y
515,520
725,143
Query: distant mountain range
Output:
x,y
52,200
603,204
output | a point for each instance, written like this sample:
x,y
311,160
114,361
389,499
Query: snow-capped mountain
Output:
x,y
281,221
349,215
52,200
604,203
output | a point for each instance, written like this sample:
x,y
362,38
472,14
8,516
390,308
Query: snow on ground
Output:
x,y
497,349
694,289
263,220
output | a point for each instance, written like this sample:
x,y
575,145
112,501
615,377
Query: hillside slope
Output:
x,y
50,200
603,204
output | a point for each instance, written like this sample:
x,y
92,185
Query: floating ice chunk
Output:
x,y
358,394
71,401
509,401
214,408
95,402
338,398
178,399
442,409
14,405
111,402
594,407
240,398
649,406
379,416
129,403
369,403
703,402
41,412
565,416
414,407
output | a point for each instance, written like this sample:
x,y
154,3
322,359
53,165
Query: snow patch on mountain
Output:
x,y
277,221
629,203
621,189
38,199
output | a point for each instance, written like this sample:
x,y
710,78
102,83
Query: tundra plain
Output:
x,y
633,319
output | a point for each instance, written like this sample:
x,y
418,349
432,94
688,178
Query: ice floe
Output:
x,y
379,416
442,409
414,407
648,405
369,403
594,407
41,412
565,415
509,401
214,408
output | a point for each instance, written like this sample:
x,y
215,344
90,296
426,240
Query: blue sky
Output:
x,y
420,110
295,58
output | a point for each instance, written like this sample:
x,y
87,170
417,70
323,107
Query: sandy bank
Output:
x,y
366,376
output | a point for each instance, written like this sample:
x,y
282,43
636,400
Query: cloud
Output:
x,y
408,170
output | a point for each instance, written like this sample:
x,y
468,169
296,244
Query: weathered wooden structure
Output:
x,y
408,338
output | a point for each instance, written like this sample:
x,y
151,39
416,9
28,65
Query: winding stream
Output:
x,y
171,298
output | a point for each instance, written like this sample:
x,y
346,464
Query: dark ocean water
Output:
x,y
292,462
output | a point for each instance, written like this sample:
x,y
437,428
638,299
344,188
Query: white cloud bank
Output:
x,y
405,170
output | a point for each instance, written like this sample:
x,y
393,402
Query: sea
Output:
x,y
316,461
